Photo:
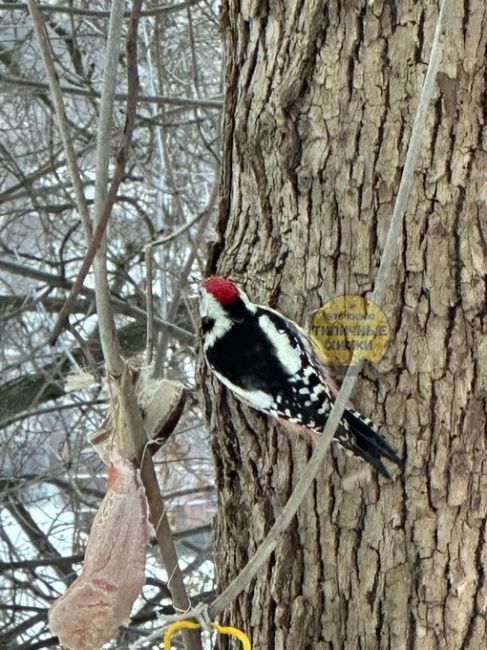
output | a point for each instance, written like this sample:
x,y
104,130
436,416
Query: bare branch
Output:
x,y
162,347
104,205
158,514
51,166
181,230
93,13
33,388
14,633
150,306
109,341
179,102
119,305
39,540
71,160
47,560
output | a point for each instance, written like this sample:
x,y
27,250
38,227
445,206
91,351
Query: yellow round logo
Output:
x,y
346,325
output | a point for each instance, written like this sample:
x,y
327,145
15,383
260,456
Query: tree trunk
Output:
x,y
321,96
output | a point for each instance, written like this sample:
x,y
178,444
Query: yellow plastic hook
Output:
x,y
191,625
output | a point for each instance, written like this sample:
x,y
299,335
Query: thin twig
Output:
x,y
53,84
19,189
150,305
179,231
51,409
103,212
149,273
119,305
77,286
94,13
162,345
178,102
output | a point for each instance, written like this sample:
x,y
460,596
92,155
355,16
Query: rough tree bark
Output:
x,y
321,96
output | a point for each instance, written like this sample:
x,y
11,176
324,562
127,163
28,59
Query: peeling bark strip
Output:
x,y
320,102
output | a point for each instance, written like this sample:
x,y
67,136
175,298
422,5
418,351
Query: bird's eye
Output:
x,y
207,324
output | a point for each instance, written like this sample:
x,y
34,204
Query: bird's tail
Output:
x,y
361,438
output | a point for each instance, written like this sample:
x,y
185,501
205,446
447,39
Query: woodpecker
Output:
x,y
268,362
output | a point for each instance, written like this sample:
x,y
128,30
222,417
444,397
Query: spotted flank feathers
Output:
x,y
355,433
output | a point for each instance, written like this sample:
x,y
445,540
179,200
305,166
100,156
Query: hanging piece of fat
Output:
x,y
90,612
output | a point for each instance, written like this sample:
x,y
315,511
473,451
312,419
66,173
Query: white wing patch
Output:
x,y
290,356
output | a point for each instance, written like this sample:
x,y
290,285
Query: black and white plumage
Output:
x,y
268,362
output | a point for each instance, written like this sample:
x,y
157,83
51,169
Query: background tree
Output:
x,y
51,480
320,100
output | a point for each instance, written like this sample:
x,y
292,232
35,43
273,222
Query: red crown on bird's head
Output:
x,y
221,289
